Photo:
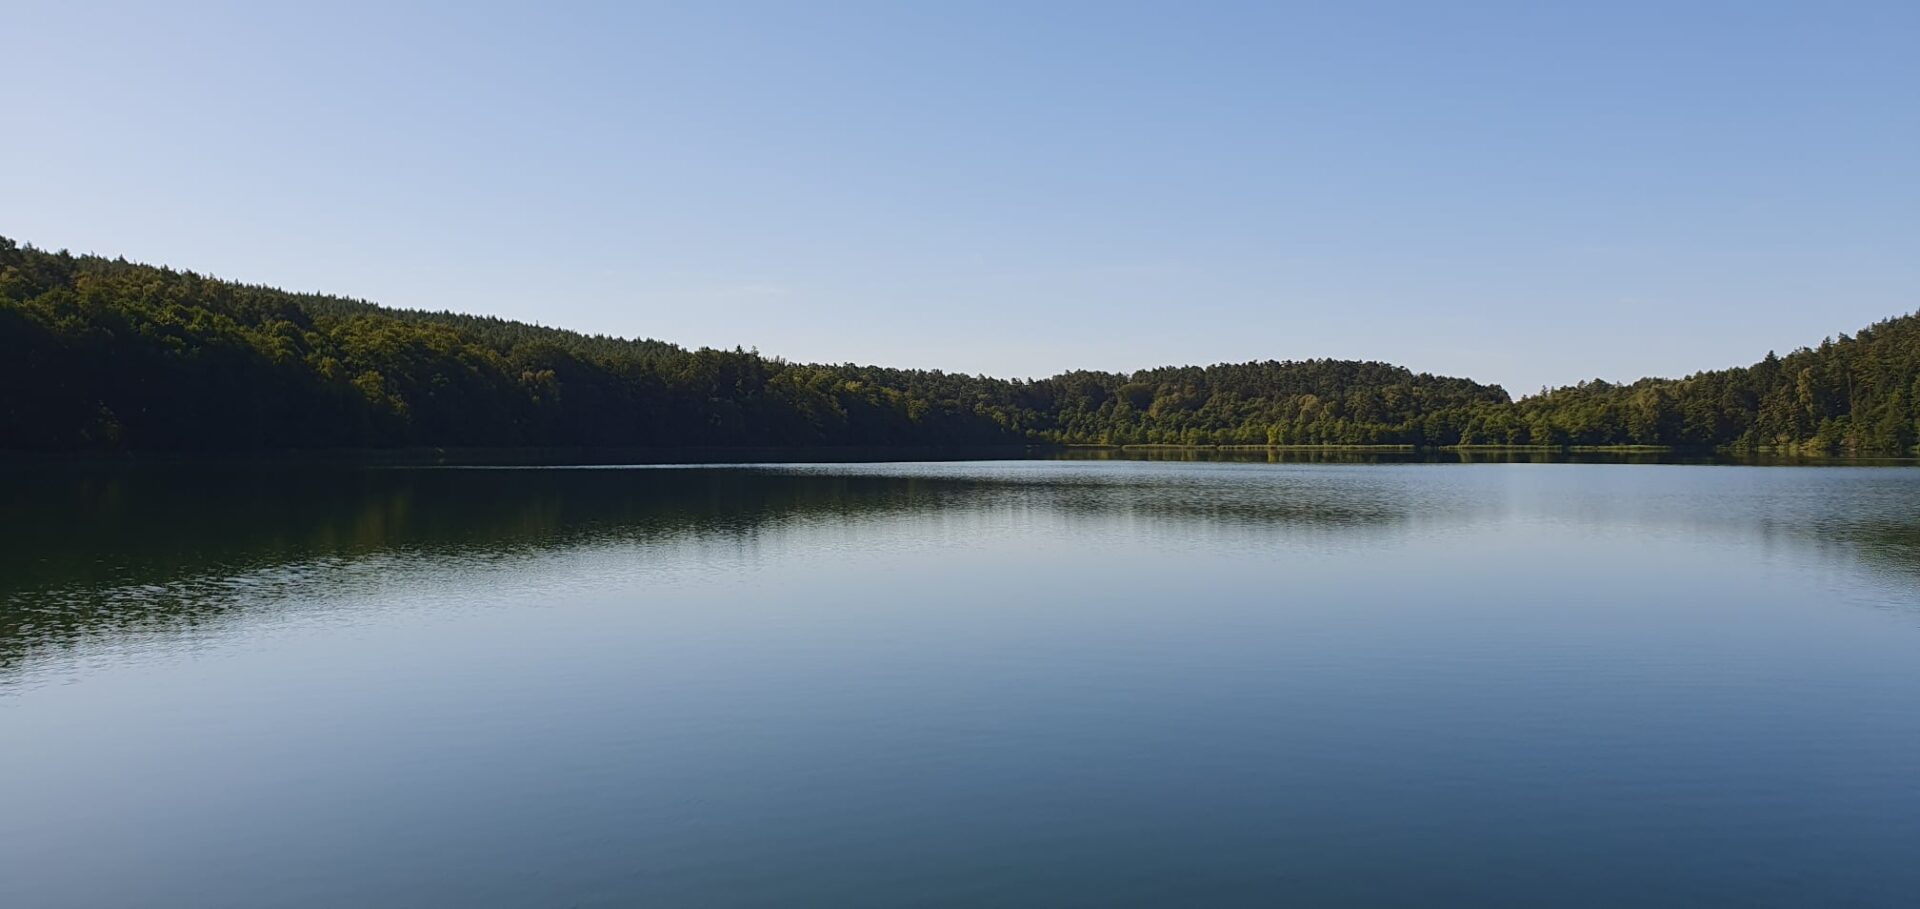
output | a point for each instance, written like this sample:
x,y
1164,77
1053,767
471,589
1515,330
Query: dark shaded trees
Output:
x,y
106,354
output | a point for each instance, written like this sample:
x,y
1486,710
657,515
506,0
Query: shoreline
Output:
x,y
716,455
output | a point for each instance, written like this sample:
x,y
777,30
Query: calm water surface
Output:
x,y
1012,683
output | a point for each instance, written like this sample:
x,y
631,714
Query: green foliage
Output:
x,y
1855,395
105,354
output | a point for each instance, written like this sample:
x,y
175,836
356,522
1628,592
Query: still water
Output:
x,y
1033,683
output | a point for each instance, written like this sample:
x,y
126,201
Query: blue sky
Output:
x,y
1524,193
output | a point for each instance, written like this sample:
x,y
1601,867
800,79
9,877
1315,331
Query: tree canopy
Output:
x,y
100,353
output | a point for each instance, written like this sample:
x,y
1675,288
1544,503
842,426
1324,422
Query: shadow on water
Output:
x,y
91,555
999,681
88,554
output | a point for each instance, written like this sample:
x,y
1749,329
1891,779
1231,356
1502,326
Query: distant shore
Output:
x,y
1167,447
619,456
534,456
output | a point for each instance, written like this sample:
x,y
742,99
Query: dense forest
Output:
x,y
101,353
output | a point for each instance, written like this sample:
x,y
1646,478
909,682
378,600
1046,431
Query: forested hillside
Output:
x,y
1858,394
105,354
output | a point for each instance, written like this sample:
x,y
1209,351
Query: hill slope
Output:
x,y
106,354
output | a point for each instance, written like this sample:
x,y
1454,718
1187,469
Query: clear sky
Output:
x,y
1527,193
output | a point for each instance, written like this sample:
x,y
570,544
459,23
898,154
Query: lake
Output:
x,y
1046,683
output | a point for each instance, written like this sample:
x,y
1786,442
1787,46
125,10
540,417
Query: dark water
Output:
x,y
1018,683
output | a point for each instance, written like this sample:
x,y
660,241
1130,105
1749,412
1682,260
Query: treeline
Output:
x,y
1850,395
105,354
